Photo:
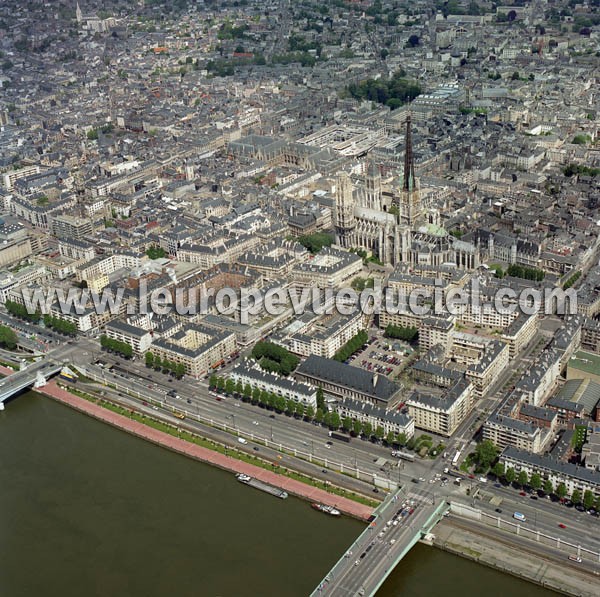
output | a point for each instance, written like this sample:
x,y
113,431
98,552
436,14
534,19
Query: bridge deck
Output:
x,y
401,522
20,380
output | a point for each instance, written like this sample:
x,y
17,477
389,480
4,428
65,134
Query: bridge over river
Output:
x,y
397,524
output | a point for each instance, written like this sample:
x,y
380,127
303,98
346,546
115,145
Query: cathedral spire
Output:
x,y
408,183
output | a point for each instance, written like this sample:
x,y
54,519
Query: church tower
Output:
x,y
373,187
345,220
408,203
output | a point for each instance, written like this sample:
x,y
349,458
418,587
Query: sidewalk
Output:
x,y
165,440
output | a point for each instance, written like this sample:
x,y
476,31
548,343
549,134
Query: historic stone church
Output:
x,y
392,223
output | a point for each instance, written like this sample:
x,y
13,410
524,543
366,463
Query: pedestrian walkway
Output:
x,y
165,440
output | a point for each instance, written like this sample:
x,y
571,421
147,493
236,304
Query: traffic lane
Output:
x,y
540,516
224,437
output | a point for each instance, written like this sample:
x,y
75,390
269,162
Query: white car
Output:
x,y
242,440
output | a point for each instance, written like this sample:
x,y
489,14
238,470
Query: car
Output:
x,y
562,526
499,510
533,497
328,446
497,485
271,416
145,403
522,493
329,443
189,401
256,448
392,541
579,508
375,490
242,440
471,476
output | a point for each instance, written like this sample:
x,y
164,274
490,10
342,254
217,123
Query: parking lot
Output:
x,y
384,356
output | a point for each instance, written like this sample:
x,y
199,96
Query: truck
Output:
x,y
404,455
343,438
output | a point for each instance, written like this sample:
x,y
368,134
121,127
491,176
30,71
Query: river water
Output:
x,y
86,509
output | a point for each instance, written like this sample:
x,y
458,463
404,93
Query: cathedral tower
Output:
x,y
408,201
345,220
373,187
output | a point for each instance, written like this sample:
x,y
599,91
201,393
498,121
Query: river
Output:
x,y
89,510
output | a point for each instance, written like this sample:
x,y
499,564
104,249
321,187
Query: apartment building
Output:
x,y
328,269
290,389
520,332
199,348
444,413
557,472
138,338
506,431
389,420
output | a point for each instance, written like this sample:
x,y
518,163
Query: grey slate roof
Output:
x,y
347,376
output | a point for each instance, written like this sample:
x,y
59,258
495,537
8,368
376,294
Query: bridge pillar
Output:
x,y
40,380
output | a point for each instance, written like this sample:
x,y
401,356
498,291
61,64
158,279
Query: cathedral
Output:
x,y
392,223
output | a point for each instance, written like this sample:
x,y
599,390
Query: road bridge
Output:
x,y
34,375
396,526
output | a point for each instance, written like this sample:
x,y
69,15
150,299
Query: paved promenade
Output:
x,y
165,440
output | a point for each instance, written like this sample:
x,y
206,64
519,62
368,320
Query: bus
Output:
x,y
519,516
456,457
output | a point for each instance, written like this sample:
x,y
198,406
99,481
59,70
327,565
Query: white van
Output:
x,y
242,440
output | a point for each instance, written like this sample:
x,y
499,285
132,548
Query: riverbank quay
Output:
x,y
516,556
292,486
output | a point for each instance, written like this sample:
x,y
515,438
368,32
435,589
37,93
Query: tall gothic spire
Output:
x,y
408,184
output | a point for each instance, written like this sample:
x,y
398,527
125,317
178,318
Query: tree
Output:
x,y
357,427
157,363
510,474
319,415
548,486
413,41
239,388
485,453
299,411
561,491
334,420
229,386
220,383
535,481
309,413
290,407
523,478
320,398
256,396
149,359
499,470
576,496
248,391
511,16
597,503
401,439
588,499
8,338
179,370
347,424
390,438
367,429
280,404
379,432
